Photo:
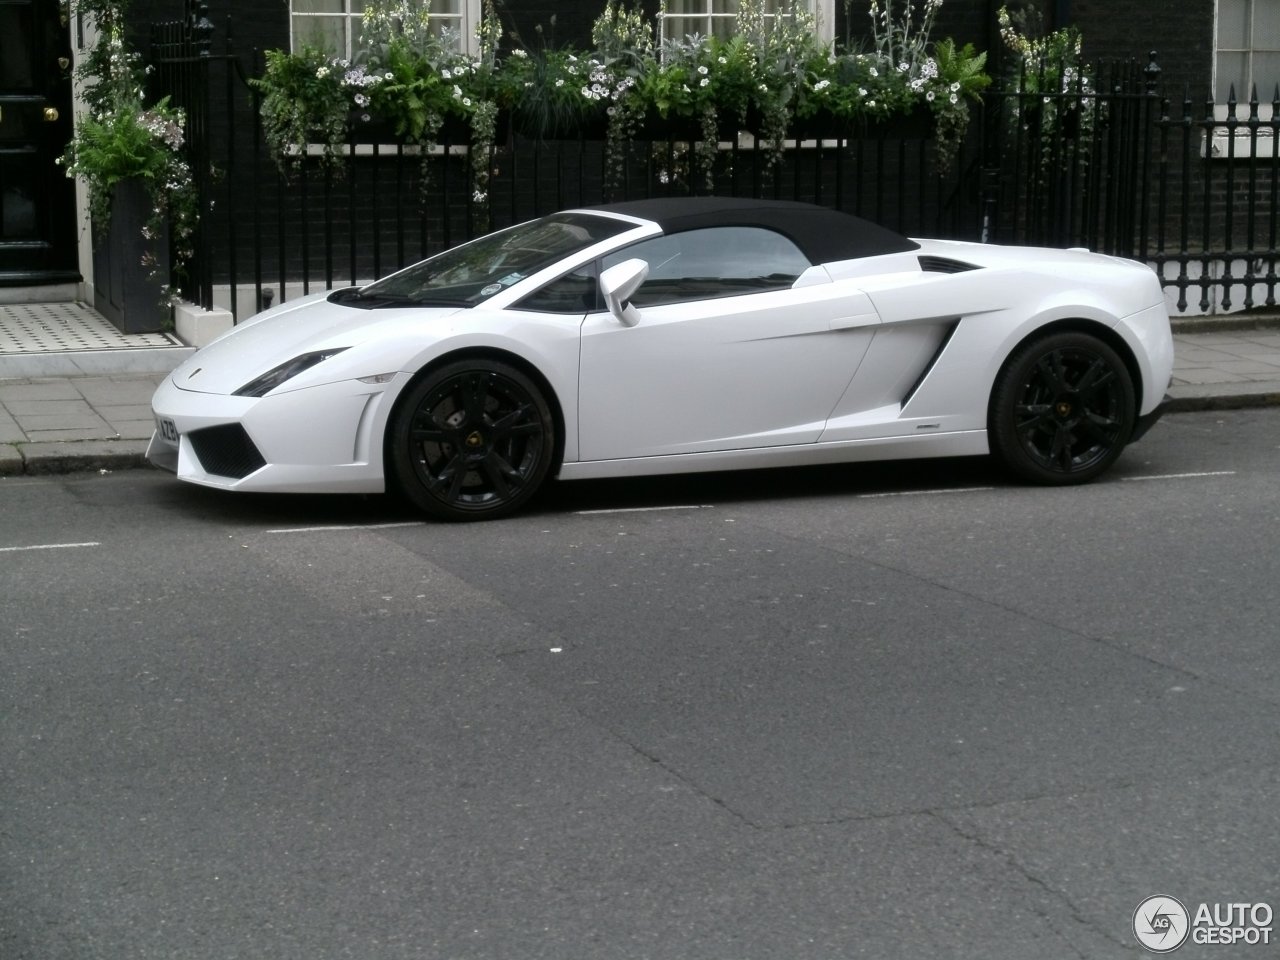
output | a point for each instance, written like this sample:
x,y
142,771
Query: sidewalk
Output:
x,y
102,421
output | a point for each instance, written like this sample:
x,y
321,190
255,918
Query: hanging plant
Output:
x,y
120,138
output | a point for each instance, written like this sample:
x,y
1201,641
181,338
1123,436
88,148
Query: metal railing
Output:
x,y
1100,159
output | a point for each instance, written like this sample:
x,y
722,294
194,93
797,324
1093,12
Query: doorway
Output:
x,y
37,200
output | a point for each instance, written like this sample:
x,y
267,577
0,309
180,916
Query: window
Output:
x,y
574,293
716,17
711,263
334,25
1247,49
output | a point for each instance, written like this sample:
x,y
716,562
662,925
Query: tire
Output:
x,y
473,440
1062,410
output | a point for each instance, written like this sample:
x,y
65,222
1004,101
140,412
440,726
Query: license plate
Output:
x,y
168,429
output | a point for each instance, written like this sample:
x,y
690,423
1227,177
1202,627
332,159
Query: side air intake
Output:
x,y
945,265
226,451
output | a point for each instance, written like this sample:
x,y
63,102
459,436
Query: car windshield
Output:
x,y
473,272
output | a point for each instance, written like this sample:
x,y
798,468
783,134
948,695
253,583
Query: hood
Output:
x,y
288,331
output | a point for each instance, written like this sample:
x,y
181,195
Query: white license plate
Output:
x,y
168,429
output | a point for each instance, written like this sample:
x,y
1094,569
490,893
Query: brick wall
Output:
x,y
1181,31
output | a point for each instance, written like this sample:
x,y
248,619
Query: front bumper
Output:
x,y
321,439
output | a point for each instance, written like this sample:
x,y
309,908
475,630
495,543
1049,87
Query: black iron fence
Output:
x,y
1102,160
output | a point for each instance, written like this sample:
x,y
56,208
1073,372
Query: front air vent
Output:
x,y
945,265
226,451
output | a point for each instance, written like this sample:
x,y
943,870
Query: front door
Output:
x,y
728,354
37,201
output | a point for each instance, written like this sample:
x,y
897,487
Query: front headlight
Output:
x,y
264,384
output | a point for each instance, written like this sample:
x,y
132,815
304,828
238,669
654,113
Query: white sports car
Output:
x,y
672,336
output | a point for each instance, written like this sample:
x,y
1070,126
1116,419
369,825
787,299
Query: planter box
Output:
x,y
124,289
678,127
454,130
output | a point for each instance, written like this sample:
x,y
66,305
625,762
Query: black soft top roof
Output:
x,y
822,234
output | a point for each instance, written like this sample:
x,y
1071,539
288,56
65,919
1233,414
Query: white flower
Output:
x,y
703,82
466,101
954,98
361,100
930,95
446,74
875,72
520,53
586,92
388,75
862,91
721,60
703,70
560,82
955,87
321,72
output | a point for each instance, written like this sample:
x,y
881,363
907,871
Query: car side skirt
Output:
x,y
953,444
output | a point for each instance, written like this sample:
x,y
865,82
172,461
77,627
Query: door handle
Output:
x,y
850,323
50,114
64,62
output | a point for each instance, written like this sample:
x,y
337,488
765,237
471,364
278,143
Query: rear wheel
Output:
x,y
472,441
1062,410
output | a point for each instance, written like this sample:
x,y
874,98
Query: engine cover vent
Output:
x,y
945,265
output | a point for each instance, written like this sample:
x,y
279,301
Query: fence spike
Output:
x,y
1152,73
202,29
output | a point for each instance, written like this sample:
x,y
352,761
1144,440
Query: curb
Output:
x,y
1268,397
71,456
1229,323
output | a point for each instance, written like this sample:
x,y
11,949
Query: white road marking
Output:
x,y
349,526
920,493
50,546
691,506
1182,476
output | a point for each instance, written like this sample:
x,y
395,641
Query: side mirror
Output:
x,y
618,284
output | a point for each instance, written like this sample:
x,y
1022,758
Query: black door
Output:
x,y
37,201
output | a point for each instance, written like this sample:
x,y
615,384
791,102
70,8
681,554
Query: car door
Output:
x,y
729,353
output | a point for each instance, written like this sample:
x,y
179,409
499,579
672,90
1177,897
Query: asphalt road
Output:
x,y
892,711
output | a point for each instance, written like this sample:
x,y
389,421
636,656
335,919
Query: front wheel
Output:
x,y
471,441
1062,410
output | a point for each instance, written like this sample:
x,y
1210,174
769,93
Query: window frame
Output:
x,y
467,21
823,11
1219,145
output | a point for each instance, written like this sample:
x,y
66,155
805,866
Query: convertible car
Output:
x,y
671,336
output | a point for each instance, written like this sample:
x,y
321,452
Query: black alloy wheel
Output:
x,y
1062,410
472,441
